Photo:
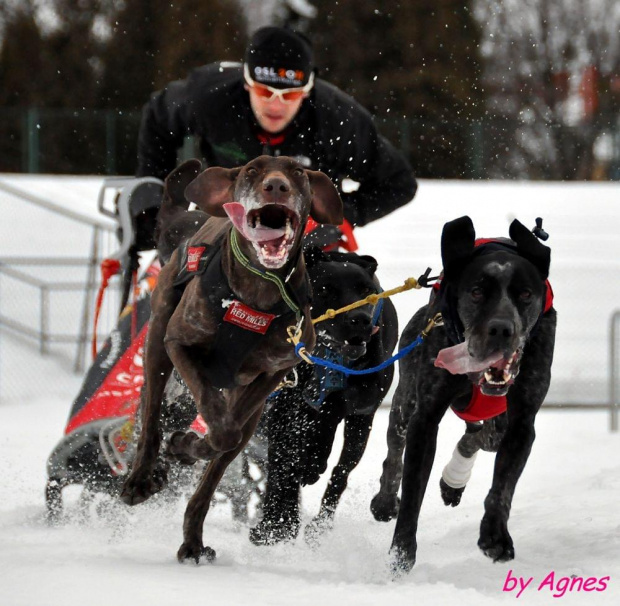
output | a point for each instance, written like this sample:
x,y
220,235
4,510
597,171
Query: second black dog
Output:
x,y
302,420
498,323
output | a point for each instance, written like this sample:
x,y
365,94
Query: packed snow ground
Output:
x,y
565,513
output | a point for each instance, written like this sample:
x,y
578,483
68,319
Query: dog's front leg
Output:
x,y
525,398
287,427
198,506
495,540
145,478
245,408
384,505
419,457
356,431
188,447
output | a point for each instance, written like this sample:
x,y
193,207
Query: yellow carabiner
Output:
x,y
294,333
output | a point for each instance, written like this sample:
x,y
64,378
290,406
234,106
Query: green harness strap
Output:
x,y
267,275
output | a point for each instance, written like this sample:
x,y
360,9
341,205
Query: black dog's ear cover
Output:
x,y
314,254
530,248
368,263
457,245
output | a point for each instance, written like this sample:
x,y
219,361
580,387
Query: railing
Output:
x,y
614,374
38,291
38,325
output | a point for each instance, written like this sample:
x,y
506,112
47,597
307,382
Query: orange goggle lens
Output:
x,y
288,96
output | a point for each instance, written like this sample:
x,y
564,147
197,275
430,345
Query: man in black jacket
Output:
x,y
273,104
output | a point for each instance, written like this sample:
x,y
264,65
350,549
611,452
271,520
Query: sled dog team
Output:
x,y
236,282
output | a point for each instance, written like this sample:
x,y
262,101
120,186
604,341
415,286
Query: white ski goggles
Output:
x,y
286,95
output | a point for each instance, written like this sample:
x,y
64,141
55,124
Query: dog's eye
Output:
x,y
525,294
298,172
252,171
477,294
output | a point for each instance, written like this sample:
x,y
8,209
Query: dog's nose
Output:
x,y
276,185
500,330
359,319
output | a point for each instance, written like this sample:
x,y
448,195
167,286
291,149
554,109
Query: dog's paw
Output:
x,y
314,531
142,484
401,562
174,447
451,496
195,552
384,507
271,533
308,479
495,541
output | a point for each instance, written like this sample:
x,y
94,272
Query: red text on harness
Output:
x,y
247,318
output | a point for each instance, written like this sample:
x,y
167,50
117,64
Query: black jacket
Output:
x,y
331,133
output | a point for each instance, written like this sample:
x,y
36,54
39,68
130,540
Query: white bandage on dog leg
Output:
x,y
457,472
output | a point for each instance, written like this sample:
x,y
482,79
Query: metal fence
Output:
x,y
104,142
49,308
47,302
614,370
64,141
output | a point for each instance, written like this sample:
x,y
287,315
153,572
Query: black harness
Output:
x,y
240,328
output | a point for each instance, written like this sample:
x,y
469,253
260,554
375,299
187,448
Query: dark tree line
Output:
x,y
466,89
109,53
414,67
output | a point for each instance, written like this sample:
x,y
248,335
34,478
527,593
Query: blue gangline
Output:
x,y
365,371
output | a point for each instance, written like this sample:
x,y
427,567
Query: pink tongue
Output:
x,y
236,213
457,360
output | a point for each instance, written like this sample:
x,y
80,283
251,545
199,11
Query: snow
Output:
x,y
564,517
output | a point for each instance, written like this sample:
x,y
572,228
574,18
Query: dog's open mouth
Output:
x,y
351,349
493,375
354,348
495,380
271,229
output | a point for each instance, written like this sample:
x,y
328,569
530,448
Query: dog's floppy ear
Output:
x,y
174,201
530,248
326,201
178,180
314,255
213,188
366,262
457,245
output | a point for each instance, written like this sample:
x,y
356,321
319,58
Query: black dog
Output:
x,y
302,421
498,323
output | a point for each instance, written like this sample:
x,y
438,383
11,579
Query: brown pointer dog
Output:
x,y
498,323
230,361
